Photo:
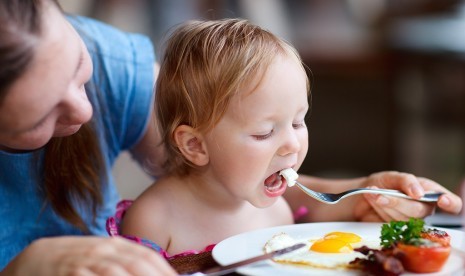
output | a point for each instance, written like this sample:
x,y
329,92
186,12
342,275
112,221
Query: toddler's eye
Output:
x,y
298,125
263,137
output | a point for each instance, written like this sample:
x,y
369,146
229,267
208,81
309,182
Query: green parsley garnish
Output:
x,y
401,231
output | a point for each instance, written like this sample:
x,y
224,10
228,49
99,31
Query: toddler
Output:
x,y
231,103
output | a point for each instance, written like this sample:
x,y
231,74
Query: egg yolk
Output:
x,y
343,236
331,246
336,242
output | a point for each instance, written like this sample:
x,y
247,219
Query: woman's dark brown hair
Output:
x,y
73,168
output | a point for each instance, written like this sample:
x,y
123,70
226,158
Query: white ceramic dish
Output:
x,y
250,244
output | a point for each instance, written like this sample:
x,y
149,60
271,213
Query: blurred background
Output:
x,y
388,77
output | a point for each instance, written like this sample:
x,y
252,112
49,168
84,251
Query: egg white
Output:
x,y
307,257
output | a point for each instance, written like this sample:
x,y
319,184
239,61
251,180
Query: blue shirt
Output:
x,y
122,100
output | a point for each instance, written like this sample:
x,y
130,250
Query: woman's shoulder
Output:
x,y
108,40
121,87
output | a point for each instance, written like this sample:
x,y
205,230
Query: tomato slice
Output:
x,y
422,259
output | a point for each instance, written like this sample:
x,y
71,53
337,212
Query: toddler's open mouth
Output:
x,y
274,182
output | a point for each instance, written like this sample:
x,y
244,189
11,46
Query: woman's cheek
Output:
x,y
31,141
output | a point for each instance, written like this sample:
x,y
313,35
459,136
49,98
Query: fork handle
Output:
x,y
427,197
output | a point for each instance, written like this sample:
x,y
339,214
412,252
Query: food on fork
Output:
x,y
290,175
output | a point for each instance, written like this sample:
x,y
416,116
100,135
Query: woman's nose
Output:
x,y
78,109
291,144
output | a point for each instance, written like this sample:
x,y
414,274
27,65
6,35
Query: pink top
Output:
x,y
113,224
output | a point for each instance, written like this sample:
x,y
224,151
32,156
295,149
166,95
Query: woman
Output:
x,y
59,139
62,185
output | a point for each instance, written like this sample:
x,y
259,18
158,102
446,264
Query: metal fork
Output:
x,y
335,198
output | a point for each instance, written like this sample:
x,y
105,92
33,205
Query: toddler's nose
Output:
x,y
290,145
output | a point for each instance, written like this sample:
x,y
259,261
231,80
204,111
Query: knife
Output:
x,y
221,270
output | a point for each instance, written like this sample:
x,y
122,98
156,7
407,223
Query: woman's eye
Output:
x,y
37,126
263,137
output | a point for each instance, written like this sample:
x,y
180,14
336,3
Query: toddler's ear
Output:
x,y
191,144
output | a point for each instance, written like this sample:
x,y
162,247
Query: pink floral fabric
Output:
x,y
114,222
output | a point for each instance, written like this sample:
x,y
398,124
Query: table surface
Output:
x,y
445,220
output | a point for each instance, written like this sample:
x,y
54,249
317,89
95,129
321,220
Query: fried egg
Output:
x,y
332,251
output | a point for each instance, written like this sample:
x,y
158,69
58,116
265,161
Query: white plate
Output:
x,y
250,244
